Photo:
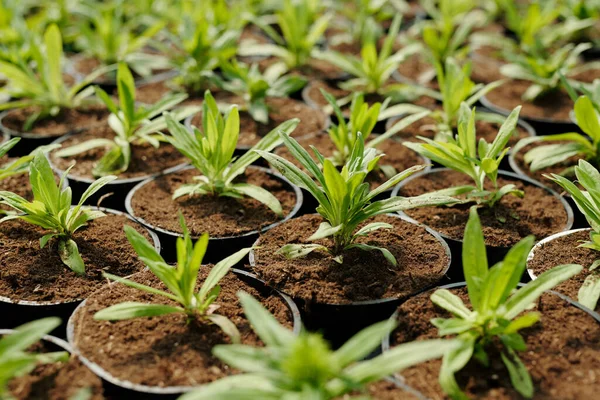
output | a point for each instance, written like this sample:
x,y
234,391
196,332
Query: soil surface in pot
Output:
x,y
315,95
364,275
68,120
382,390
562,356
485,130
316,69
539,213
565,250
56,381
150,93
166,350
87,65
281,109
34,274
415,67
145,159
219,216
18,184
396,155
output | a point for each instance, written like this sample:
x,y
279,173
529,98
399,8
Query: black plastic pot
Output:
x,y
17,312
118,388
494,254
339,322
386,342
218,247
111,195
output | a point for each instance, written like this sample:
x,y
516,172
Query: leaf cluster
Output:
x,y
21,164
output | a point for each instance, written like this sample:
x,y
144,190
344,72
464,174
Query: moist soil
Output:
x,y
396,155
150,93
281,109
34,274
565,250
364,275
539,213
486,65
316,69
414,67
382,390
68,120
145,159
562,356
166,350
56,381
485,130
219,216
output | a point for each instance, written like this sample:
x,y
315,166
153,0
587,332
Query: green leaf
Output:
x,y
450,302
589,292
386,253
454,361
291,251
325,230
365,230
95,186
264,324
259,194
474,258
69,254
27,335
126,89
226,326
220,270
519,376
130,309
363,343
83,147
587,118
53,43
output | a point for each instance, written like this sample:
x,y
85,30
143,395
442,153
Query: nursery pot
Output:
x,y
16,312
339,322
218,247
119,388
386,343
494,254
111,195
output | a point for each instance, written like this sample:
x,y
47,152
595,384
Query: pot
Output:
x,y
218,247
494,254
339,322
120,388
17,312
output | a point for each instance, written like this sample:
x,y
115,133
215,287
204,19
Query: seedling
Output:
x,y
480,161
181,283
497,307
211,152
132,123
51,210
20,165
304,366
588,202
583,10
345,201
255,87
16,361
40,84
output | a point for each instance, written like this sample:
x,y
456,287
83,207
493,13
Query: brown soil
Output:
x,y
382,390
165,350
316,69
364,275
34,274
314,94
562,357
396,155
485,130
281,109
539,213
414,66
486,63
219,216
150,93
145,159
564,250
68,120
57,381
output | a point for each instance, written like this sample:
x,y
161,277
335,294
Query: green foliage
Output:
x,y
51,209
255,87
479,161
181,282
588,202
132,123
40,83
21,164
497,309
16,361
585,146
302,28
345,201
211,152
303,366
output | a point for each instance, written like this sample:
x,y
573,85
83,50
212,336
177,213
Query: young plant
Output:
x,y
479,161
39,84
255,87
20,165
345,201
132,123
16,361
51,210
497,307
302,28
588,202
211,152
180,281
583,10
304,366
585,146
